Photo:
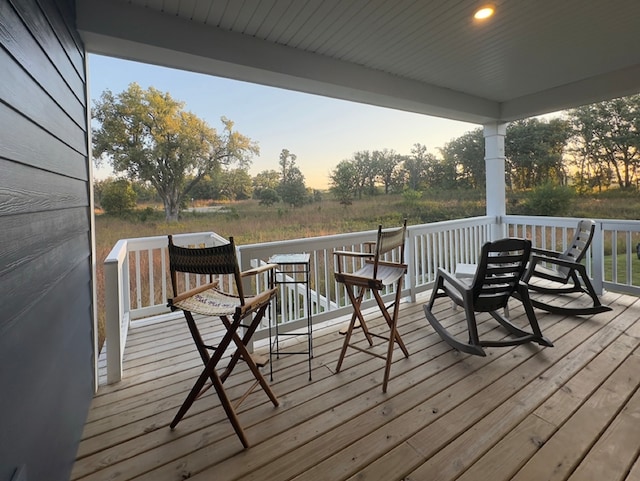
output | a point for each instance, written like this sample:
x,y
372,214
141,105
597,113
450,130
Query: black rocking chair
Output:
x,y
564,273
497,278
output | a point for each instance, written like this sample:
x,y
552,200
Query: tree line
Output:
x,y
164,152
594,146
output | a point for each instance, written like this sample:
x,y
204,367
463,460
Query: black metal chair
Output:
x,y
497,278
232,307
563,273
375,275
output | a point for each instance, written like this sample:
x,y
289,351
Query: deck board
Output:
x,y
523,413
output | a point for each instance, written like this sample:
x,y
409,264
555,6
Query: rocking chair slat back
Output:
x,y
579,244
502,264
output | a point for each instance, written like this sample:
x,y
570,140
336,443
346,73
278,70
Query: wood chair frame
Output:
x,y
375,274
232,308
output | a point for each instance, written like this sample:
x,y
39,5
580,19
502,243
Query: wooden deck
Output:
x,y
571,412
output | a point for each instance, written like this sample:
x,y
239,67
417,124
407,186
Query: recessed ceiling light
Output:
x,y
484,12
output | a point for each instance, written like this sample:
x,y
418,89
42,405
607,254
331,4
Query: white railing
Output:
x,y
136,288
136,277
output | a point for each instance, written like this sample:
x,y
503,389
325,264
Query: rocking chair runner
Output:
x,y
374,276
566,273
231,307
498,277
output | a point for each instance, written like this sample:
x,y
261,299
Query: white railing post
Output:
x,y
597,259
116,275
410,253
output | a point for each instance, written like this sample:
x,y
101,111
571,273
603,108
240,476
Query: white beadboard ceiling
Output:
x,y
427,56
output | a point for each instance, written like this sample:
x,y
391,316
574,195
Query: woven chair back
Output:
x,y
217,260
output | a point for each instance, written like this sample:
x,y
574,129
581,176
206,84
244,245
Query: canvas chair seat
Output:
x,y
386,275
374,275
212,302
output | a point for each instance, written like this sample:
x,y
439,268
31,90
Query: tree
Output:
x,y
534,150
208,188
386,163
265,187
235,184
147,135
415,167
117,197
292,188
608,136
265,180
366,172
465,156
344,182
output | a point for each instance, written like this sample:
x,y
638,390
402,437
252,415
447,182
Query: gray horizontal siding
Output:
x,y
46,327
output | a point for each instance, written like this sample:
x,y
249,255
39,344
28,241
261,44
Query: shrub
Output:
x,y
118,197
549,199
268,197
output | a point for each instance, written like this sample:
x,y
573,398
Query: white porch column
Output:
x,y
494,134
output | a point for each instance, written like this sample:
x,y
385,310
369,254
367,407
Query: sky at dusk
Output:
x,y
320,131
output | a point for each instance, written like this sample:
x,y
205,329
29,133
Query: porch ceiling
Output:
x,y
424,56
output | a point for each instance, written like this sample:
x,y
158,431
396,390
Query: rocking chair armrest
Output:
x,y
257,270
191,292
553,260
545,252
451,279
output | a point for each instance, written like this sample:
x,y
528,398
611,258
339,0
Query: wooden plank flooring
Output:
x,y
526,413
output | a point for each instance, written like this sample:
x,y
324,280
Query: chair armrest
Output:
x,y
370,245
353,254
553,260
341,254
191,292
452,280
393,264
359,281
258,300
448,276
258,270
544,252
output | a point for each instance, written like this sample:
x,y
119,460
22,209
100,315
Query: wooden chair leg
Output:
x,y
392,320
357,315
242,352
230,411
393,338
208,372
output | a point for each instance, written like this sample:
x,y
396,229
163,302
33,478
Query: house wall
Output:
x,y
46,318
